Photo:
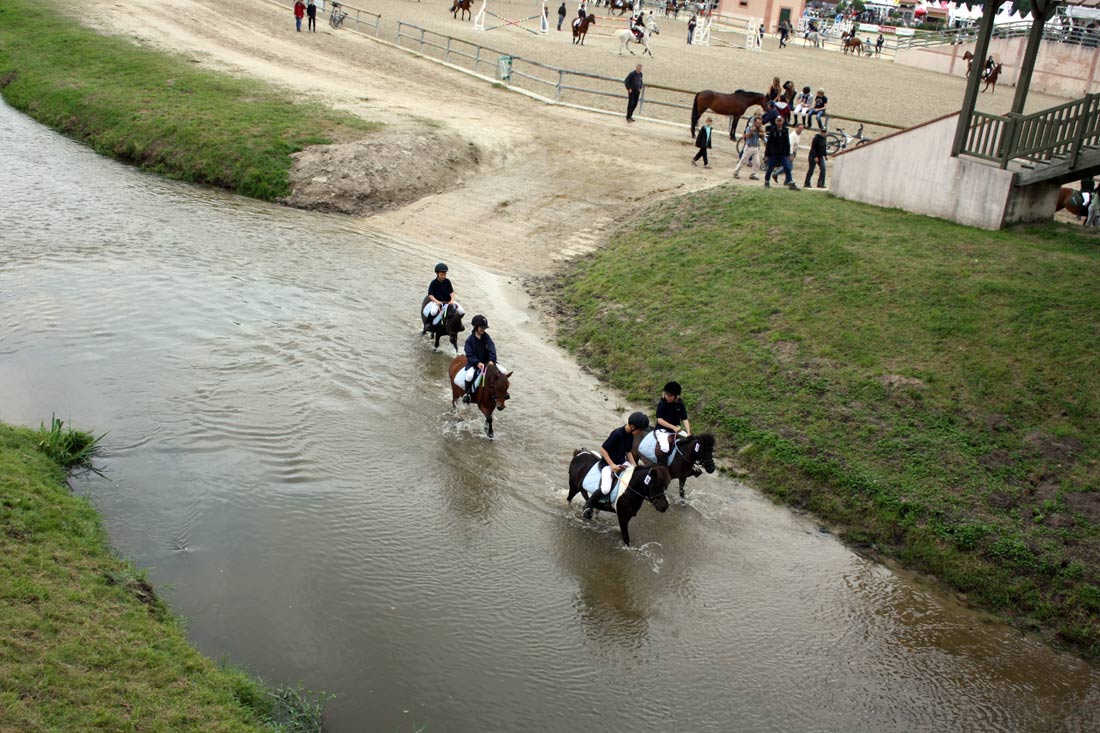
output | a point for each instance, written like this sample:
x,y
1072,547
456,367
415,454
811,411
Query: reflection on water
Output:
x,y
283,454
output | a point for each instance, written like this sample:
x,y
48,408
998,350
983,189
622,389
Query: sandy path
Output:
x,y
554,180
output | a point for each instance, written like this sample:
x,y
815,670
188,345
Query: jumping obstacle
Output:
x,y
753,40
702,35
479,20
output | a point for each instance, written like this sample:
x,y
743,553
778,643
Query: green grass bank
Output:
x,y
85,644
154,110
933,390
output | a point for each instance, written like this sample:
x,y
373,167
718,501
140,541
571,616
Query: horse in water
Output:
x,y
491,392
627,37
991,80
464,6
733,105
450,325
646,483
688,452
580,28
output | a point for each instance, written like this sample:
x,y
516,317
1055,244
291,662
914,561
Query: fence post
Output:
x,y
421,49
1008,138
561,79
447,51
1079,138
477,60
641,101
357,21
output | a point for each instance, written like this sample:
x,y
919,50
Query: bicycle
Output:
x,y
840,140
336,17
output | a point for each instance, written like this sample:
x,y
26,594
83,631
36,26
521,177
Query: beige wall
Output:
x,y
934,183
765,11
1061,69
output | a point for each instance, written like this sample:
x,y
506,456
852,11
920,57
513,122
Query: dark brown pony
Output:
x,y
647,484
689,452
580,30
733,105
991,80
464,6
1066,201
489,396
450,326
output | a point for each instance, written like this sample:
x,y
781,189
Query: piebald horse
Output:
x,y
687,455
645,484
490,394
734,105
450,325
1072,201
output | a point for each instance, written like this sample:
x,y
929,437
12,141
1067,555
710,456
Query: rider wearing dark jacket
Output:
x,y
615,455
480,352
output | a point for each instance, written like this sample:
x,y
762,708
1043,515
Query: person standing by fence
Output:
x,y
778,150
691,29
311,13
299,13
634,86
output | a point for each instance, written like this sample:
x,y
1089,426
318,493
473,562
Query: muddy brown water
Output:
x,y
282,456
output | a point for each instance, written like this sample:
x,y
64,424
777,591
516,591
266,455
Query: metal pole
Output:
x,y
966,113
447,51
421,49
561,79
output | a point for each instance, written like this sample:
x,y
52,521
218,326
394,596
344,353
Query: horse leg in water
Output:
x,y
489,426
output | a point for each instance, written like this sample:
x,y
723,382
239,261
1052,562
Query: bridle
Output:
x,y
651,499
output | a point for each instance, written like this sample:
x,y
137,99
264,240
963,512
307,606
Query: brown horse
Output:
x,y
646,484
969,59
450,326
580,28
464,6
1068,200
991,80
733,105
490,394
852,44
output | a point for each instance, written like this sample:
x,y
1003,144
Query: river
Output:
x,y
283,457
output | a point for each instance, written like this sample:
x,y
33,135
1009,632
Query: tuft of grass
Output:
x,y
155,110
930,388
67,447
85,644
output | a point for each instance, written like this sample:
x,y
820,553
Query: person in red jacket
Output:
x,y
299,13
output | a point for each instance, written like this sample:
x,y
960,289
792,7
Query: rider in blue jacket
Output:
x,y
480,353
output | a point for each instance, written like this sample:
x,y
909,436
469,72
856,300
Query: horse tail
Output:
x,y
695,112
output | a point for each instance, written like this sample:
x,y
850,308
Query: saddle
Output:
x,y
638,33
1081,199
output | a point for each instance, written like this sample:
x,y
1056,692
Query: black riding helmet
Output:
x,y
480,320
441,267
638,421
673,388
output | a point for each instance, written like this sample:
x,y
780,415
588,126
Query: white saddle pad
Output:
x,y
591,482
647,446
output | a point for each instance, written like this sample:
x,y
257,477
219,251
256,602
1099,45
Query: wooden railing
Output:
x,y
1059,133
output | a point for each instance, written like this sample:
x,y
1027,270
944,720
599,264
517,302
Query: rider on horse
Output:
x,y
480,353
441,295
615,455
990,64
637,25
672,418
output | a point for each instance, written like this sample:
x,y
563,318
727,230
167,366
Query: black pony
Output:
x,y
647,484
688,452
449,326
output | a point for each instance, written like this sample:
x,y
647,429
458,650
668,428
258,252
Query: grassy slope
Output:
x,y
84,645
933,388
155,110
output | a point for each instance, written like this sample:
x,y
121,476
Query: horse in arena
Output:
x,y
734,105
580,28
626,37
621,5
688,452
672,8
450,325
491,393
1073,201
991,80
645,483
969,59
852,44
464,6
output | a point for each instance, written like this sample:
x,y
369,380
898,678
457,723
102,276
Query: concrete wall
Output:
x,y
914,170
764,11
1061,69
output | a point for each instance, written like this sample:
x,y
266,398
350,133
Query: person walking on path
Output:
x,y
311,13
816,159
634,86
778,150
562,12
702,141
299,13
691,29
751,154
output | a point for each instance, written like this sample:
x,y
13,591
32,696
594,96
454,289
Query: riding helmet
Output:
x,y
638,421
441,267
673,388
480,320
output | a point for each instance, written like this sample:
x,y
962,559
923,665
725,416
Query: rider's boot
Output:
x,y
590,504
469,391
